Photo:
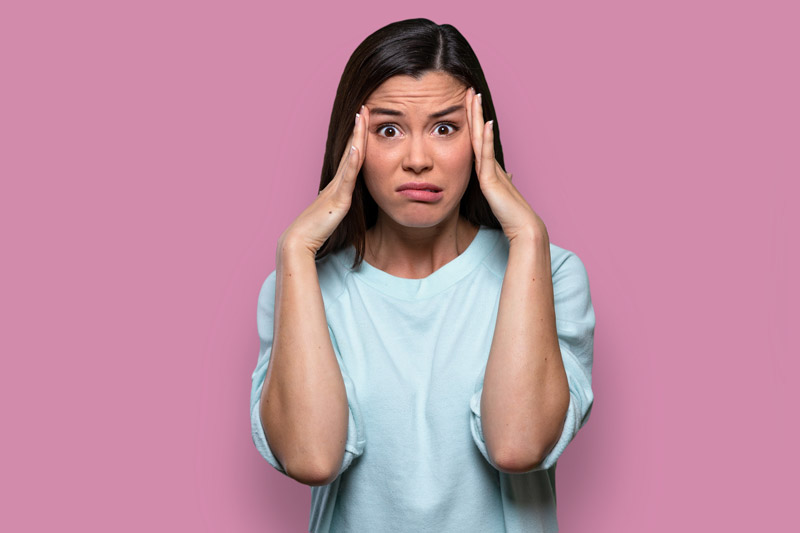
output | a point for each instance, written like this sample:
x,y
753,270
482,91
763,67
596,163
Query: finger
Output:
x,y
345,152
356,150
351,169
477,129
358,142
501,171
343,161
365,135
468,104
487,149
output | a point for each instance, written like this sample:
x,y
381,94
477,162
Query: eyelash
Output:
x,y
439,125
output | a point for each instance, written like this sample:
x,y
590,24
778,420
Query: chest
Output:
x,y
415,362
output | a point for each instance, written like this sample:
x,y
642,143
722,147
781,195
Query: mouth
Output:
x,y
421,192
419,187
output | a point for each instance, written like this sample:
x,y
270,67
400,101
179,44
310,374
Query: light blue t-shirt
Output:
x,y
413,353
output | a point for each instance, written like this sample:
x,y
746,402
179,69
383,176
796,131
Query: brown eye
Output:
x,y
446,129
389,131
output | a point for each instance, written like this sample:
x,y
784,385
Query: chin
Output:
x,y
428,217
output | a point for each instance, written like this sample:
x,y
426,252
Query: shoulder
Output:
x,y
332,271
571,292
566,265
563,262
496,259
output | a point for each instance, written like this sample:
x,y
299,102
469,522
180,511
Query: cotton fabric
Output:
x,y
413,353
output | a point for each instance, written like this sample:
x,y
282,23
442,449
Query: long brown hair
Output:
x,y
409,47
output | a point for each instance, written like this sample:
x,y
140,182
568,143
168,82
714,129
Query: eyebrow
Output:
x,y
395,113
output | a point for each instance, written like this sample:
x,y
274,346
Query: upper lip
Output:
x,y
418,186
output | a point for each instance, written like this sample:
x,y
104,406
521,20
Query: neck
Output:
x,y
415,253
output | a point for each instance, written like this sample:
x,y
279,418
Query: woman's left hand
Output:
x,y
515,215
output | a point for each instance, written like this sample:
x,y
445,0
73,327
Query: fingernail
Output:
x,y
492,123
352,149
357,117
362,108
480,100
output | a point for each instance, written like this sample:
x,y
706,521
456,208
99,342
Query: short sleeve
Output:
x,y
575,322
354,446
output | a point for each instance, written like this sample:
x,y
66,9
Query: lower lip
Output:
x,y
422,196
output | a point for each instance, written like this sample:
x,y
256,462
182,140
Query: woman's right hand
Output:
x,y
319,220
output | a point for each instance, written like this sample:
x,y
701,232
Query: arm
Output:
x,y
536,391
303,403
525,389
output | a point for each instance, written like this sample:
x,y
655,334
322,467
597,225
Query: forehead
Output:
x,y
433,89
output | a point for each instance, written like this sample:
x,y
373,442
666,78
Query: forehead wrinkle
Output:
x,y
432,95
417,106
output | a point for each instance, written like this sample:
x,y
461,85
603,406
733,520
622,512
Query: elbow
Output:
x,y
522,457
513,462
308,468
313,474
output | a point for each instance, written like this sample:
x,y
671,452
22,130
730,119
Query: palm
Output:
x,y
509,206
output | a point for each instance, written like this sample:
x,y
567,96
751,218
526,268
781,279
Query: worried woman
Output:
x,y
426,351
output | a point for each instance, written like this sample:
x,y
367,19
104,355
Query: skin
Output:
x,y
412,239
525,390
525,395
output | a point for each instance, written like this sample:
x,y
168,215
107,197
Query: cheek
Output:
x,y
372,169
374,161
457,158
467,156
379,164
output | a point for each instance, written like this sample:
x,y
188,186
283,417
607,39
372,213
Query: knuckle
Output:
x,y
340,203
340,198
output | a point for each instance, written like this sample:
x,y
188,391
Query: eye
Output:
x,y
390,130
446,128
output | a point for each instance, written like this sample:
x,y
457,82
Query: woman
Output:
x,y
426,352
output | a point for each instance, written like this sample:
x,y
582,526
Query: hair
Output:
x,y
413,48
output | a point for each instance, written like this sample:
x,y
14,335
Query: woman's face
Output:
x,y
418,134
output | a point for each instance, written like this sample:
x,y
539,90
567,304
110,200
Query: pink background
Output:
x,y
152,153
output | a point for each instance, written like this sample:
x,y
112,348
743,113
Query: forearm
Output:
x,y
304,403
525,390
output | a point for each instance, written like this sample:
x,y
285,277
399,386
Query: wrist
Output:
x,y
291,247
534,236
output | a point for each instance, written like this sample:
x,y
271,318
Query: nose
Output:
x,y
417,158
